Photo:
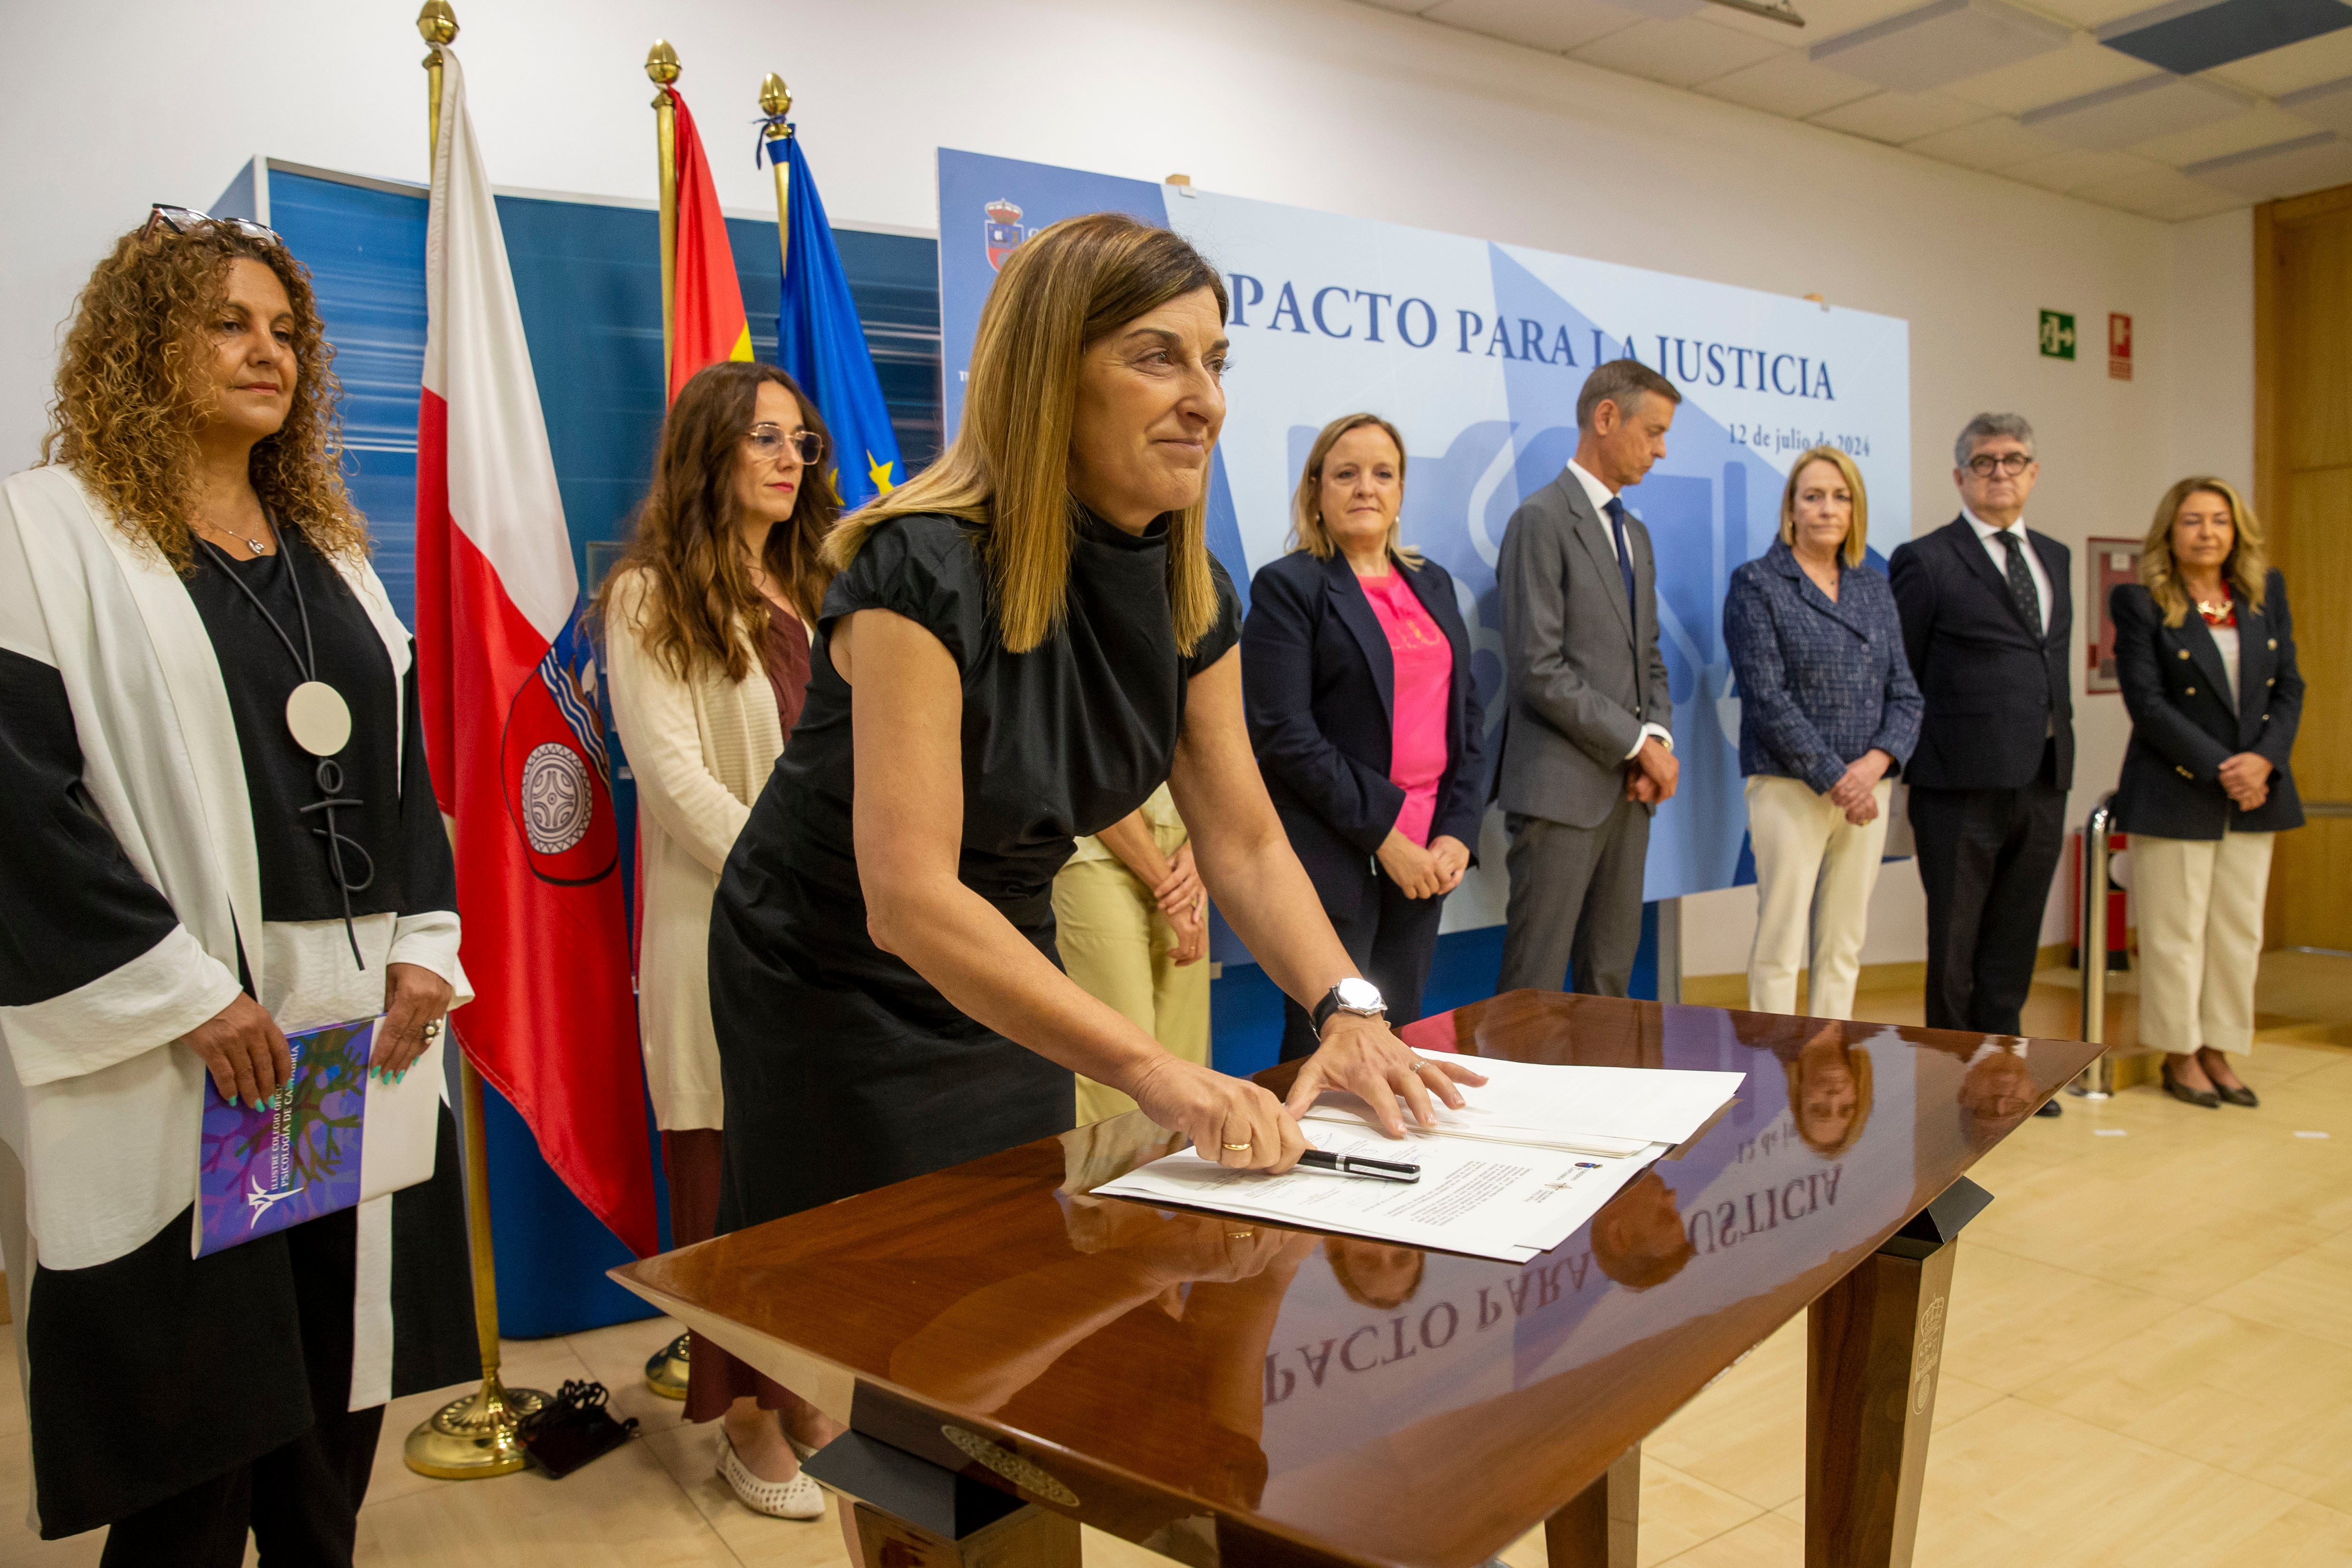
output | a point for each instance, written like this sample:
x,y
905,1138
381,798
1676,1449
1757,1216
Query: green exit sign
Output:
x,y
2057,335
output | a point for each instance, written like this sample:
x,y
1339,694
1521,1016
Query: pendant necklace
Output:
x,y
321,723
259,546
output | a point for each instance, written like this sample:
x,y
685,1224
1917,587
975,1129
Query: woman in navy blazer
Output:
x,y
1364,714
1828,712
2205,655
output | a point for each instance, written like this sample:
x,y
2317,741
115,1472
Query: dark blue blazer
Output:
x,y
1318,684
2182,731
1993,690
1821,680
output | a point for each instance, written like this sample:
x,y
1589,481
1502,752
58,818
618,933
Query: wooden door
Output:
x,y
2303,459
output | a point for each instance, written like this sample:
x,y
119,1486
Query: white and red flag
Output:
x,y
507,682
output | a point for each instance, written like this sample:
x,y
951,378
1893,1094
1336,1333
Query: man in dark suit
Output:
x,y
1988,625
1587,750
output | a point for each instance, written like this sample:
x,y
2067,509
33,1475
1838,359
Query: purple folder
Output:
x,y
261,1171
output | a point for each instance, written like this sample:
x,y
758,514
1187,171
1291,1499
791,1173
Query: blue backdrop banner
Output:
x,y
1477,352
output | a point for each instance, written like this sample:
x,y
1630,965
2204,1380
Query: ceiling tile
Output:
x,y
2282,71
2076,168
1789,85
1668,10
1823,19
2329,104
2164,193
1680,54
2262,126
2157,104
2090,12
2289,169
1899,117
1558,26
1411,7
1996,144
2082,67
2189,35
1940,43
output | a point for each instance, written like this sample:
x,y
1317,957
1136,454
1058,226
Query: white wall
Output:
x,y
1318,103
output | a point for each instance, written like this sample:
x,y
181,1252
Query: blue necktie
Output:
x,y
1616,510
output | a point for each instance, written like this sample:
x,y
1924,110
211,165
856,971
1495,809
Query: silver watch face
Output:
x,y
1358,995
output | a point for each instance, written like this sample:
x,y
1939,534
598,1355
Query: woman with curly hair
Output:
x,y
705,632
220,832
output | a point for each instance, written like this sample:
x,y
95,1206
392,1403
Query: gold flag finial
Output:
x,y
437,23
775,97
661,62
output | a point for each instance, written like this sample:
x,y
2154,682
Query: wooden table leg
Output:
x,y
900,1511
1029,1537
1601,1527
1876,1340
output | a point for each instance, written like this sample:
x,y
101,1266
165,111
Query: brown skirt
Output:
x,y
715,1379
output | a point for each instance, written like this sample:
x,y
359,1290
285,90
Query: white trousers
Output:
x,y
2201,938
1814,871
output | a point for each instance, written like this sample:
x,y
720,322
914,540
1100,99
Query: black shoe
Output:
x,y
2240,1095
2050,1107
2181,1091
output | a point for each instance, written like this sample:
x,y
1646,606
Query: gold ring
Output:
x,y
1236,1148
1239,1235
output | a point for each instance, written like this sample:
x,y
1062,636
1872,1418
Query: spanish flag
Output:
x,y
707,319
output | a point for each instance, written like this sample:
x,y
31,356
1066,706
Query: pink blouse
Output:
x,y
1424,689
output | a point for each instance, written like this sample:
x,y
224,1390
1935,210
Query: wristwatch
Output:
x,y
1360,997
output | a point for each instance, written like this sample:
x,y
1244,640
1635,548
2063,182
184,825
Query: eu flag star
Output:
x,y
879,472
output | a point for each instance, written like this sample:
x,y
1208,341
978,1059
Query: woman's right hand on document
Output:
x,y
1230,1121
1364,1057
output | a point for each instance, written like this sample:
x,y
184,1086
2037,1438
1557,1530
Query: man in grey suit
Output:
x,y
1588,751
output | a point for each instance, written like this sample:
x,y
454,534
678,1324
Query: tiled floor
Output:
x,y
2150,1363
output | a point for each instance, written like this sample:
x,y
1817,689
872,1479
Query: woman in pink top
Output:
x,y
1364,713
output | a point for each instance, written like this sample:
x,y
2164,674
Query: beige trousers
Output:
x,y
1118,947
2200,902
1814,871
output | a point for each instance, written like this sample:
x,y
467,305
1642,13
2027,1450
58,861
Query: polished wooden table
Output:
x,y
1014,1354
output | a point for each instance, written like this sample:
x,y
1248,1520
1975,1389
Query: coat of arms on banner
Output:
x,y
1004,233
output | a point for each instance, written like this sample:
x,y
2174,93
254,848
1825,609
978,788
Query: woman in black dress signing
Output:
x,y
1021,644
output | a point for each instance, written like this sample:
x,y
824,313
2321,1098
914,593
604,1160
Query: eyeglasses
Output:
x,y
770,443
2011,463
183,220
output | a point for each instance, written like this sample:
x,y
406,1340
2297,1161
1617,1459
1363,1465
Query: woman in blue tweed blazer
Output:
x,y
1827,714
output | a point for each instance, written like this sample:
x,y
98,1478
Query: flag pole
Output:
x,y
476,1437
661,65
776,101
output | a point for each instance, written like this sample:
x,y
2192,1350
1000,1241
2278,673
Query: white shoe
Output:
x,y
800,1498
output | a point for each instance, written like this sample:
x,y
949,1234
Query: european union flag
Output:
x,y
819,342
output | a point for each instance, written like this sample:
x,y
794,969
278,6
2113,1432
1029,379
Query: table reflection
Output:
x,y
1224,1364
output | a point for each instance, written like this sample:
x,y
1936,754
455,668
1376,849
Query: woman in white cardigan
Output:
x,y
706,652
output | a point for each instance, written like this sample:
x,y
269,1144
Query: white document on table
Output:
x,y
1534,1154
1603,1110
1474,1196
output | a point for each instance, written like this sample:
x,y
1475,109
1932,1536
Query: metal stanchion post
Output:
x,y
2096,1081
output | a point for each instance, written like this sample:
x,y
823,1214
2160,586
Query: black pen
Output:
x,y
1332,1164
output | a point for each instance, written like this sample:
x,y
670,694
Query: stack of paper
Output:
x,y
1534,1155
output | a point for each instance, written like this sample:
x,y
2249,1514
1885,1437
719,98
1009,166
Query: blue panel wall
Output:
x,y
588,280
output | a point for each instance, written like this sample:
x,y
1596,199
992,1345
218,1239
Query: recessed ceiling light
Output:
x,y
1942,42
2329,104
2135,110
2283,169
